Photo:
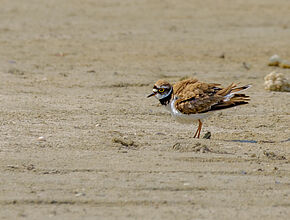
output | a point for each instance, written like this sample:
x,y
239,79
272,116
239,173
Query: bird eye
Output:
x,y
161,90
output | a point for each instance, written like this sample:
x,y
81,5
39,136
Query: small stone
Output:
x,y
207,135
274,60
80,194
41,138
246,66
284,64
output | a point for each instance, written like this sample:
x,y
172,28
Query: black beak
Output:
x,y
152,94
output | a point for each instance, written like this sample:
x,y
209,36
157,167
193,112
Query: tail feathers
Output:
x,y
234,90
237,99
231,99
227,90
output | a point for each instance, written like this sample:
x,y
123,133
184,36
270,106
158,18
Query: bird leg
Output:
x,y
197,133
199,126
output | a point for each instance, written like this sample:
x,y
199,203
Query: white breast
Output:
x,y
184,118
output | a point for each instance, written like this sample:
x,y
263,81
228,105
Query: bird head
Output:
x,y
161,90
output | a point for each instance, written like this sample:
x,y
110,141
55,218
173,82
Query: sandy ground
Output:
x,y
77,73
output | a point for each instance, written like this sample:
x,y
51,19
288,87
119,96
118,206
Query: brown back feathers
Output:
x,y
198,97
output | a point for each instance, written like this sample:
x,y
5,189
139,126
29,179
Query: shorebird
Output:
x,y
191,100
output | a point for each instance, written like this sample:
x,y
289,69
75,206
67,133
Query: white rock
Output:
x,y
274,60
41,138
276,82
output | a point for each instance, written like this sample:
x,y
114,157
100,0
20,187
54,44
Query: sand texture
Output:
x,y
80,140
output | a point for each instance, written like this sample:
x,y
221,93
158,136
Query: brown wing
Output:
x,y
191,87
196,105
198,97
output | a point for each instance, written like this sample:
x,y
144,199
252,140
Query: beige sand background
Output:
x,y
77,73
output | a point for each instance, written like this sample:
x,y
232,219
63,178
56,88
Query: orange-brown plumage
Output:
x,y
197,97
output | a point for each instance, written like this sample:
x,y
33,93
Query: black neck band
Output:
x,y
166,100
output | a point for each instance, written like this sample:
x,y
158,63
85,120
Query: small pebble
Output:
x,y
284,64
246,66
80,194
41,138
207,135
274,60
